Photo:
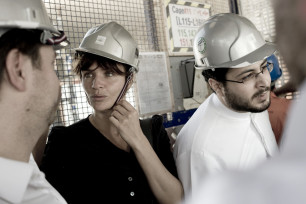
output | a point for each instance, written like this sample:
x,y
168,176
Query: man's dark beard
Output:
x,y
240,104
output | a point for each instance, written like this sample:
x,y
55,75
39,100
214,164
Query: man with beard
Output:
x,y
231,129
282,179
27,57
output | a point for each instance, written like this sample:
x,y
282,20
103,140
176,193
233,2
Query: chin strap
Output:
x,y
127,81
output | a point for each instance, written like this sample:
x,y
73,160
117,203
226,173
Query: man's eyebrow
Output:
x,y
245,71
263,62
252,69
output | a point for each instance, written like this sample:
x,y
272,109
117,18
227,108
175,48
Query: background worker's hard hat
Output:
x,y
277,71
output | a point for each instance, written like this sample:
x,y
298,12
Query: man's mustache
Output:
x,y
261,92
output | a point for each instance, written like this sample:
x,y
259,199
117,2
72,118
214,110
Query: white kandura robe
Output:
x,y
217,138
280,180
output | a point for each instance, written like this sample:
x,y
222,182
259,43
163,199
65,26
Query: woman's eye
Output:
x,y
109,74
88,75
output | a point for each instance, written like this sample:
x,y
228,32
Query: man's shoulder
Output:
x,y
190,127
37,188
10,171
200,113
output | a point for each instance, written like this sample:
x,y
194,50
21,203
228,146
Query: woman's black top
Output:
x,y
85,167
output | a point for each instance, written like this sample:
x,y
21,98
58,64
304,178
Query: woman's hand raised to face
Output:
x,y
126,119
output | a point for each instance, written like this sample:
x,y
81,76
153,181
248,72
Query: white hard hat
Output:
x,y
29,14
112,41
229,41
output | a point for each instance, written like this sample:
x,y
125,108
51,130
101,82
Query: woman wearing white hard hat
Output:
x,y
106,156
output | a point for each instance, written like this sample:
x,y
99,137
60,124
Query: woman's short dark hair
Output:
x,y
27,41
85,60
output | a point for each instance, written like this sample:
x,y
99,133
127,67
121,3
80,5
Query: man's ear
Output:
x,y
215,85
15,65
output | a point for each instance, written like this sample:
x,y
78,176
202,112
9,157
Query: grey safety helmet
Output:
x,y
231,41
30,14
111,41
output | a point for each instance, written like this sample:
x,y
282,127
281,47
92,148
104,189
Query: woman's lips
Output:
x,y
98,97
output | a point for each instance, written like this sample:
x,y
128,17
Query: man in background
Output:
x,y
29,96
279,106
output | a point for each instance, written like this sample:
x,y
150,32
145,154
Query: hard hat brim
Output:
x,y
27,25
260,54
104,54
